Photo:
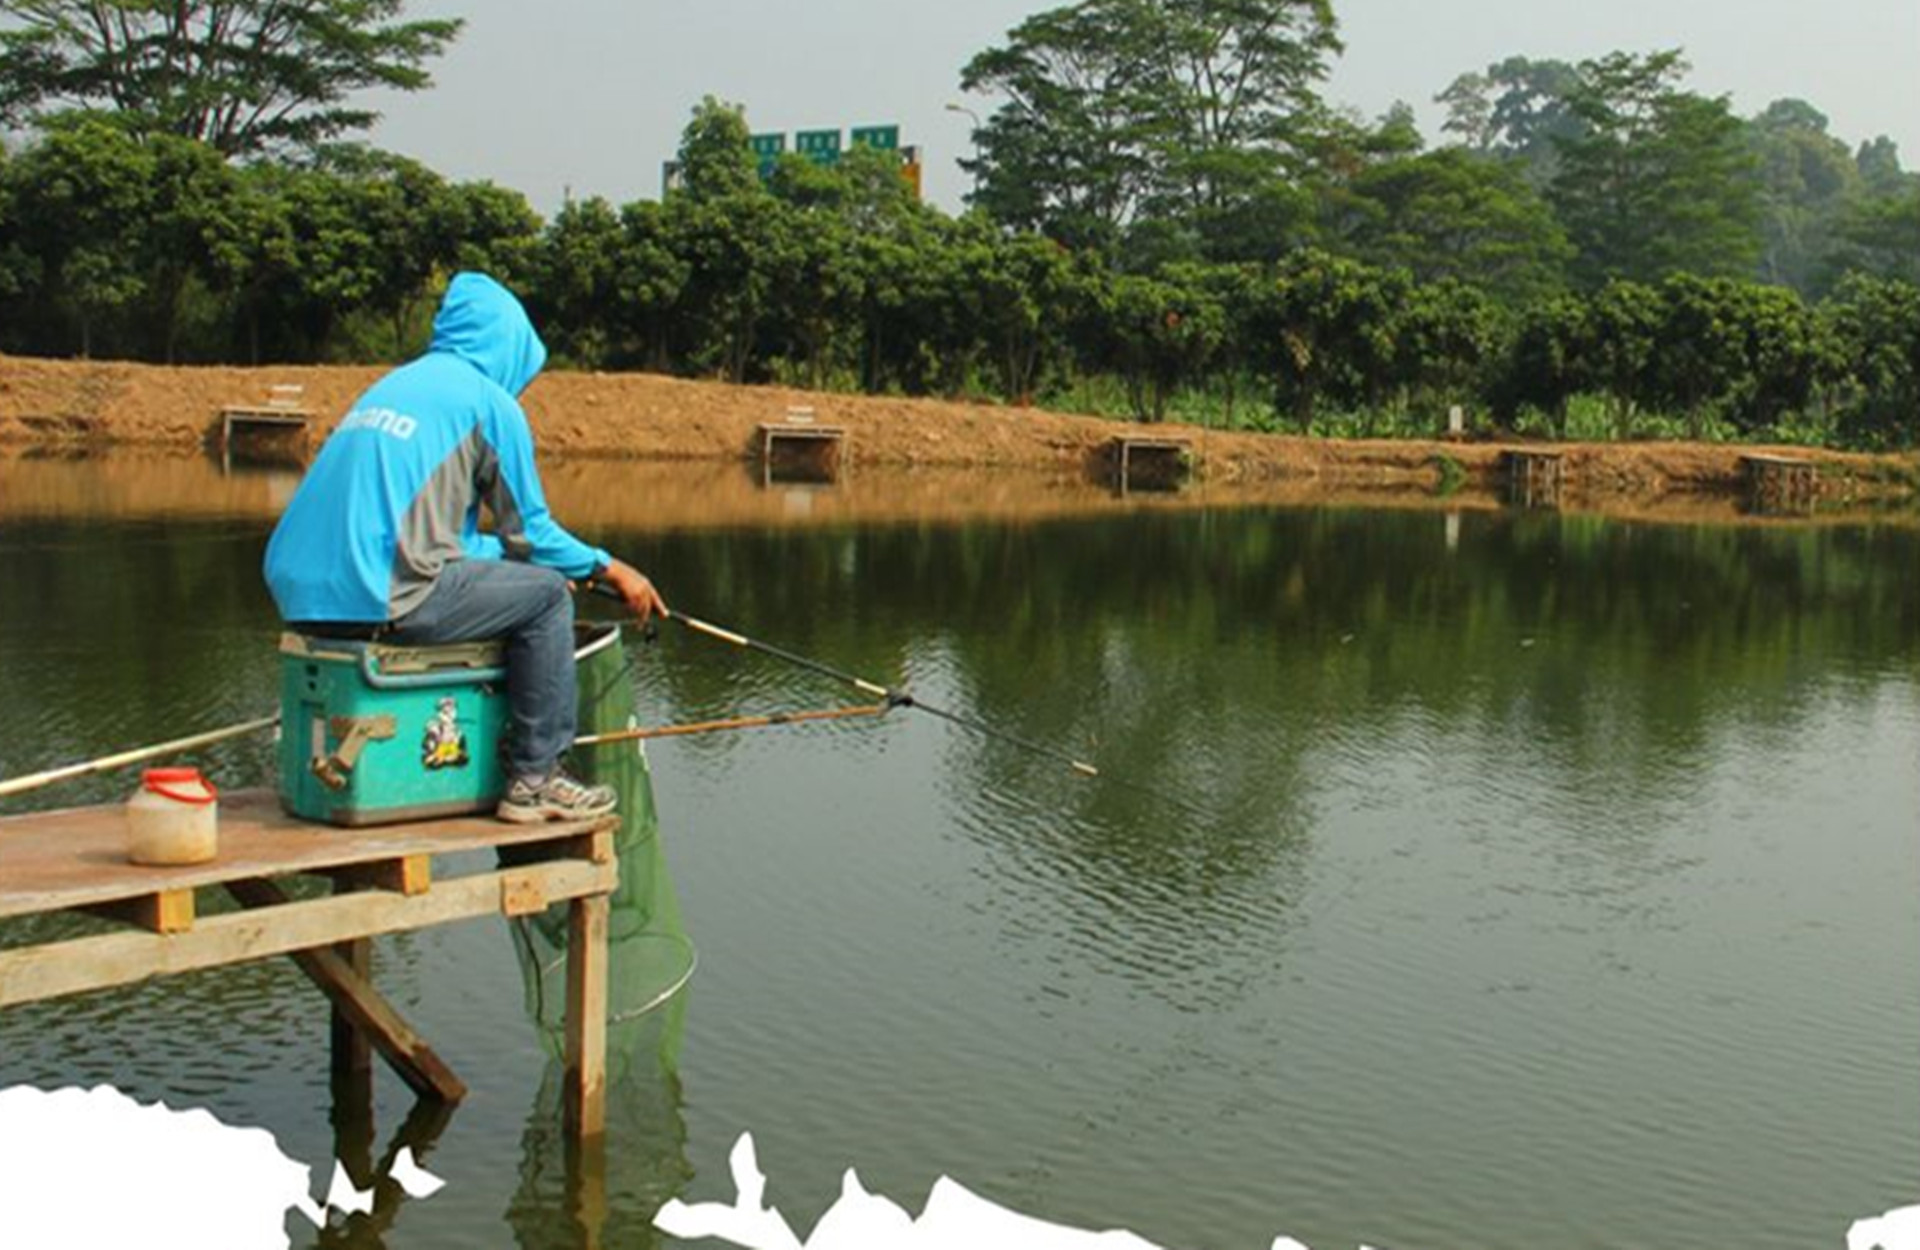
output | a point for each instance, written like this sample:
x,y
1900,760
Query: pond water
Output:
x,y
1552,883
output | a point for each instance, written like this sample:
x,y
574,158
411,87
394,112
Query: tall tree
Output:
x,y
1066,153
1452,214
1518,110
1807,179
241,75
1184,108
1659,180
1879,235
82,199
1875,323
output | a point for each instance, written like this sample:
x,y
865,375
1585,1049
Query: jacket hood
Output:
x,y
481,322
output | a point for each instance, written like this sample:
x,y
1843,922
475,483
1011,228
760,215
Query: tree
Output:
x,y
1182,108
650,281
489,228
1875,323
716,156
1547,363
1808,177
1234,98
1448,338
1737,350
241,75
1879,163
1517,111
1161,333
191,218
1622,340
1066,153
1325,328
725,225
1657,180
1879,235
17,266
82,198
1449,214
576,273
1030,292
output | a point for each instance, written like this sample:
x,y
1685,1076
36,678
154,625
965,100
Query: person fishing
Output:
x,y
382,539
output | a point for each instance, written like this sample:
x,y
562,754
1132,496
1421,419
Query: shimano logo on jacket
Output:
x,y
385,420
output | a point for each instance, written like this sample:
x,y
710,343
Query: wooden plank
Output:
x,y
586,1047
265,415
57,861
54,969
410,874
773,429
167,911
356,999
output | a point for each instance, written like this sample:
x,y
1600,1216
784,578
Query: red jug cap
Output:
x,y
183,785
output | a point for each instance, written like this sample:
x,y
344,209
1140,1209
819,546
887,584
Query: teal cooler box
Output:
x,y
372,733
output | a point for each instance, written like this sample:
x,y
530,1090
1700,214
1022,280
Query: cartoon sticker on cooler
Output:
x,y
443,745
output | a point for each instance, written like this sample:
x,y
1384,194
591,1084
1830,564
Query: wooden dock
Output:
x,y
1779,485
1534,477
382,881
799,450
1150,462
283,416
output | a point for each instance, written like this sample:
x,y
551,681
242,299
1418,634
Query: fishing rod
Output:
x,y
20,785
902,698
741,722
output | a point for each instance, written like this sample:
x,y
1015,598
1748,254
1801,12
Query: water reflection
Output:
x,y
1511,871
654,496
572,1197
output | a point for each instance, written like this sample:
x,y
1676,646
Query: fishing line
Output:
x,y
903,698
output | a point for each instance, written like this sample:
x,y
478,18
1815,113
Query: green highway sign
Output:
x,y
884,138
822,147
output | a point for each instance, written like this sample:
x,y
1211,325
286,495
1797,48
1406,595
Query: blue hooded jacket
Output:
x,y
396,492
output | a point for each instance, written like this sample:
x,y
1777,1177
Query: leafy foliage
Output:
x,y
1656,180
1295,267
1117,109
242,76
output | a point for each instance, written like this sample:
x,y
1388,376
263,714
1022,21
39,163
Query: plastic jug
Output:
x,y
173,818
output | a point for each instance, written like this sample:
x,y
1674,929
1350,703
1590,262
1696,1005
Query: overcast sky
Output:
x,y
590,95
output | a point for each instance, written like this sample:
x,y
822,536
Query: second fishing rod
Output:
x,y
894,697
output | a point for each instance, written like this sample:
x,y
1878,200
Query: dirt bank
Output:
x,y
88,405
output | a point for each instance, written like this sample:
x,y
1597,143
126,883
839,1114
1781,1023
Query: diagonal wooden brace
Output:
x,y
356,999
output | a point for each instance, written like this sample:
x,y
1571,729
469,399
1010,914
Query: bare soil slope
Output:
x,y
82,404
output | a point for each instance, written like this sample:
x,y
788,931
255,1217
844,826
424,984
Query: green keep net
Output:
x,y
649,956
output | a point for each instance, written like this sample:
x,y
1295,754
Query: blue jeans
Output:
x,y
530,608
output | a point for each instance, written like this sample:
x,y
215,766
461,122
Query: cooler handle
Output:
x,y
370,669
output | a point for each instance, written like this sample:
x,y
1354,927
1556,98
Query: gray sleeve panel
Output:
x,y
431,533
508,525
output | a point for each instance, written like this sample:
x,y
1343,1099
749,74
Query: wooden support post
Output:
x,y
586,1088
352,1051
409,875
169,911
586,1182
406,1051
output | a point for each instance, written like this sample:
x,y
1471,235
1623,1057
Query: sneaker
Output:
x,y
558,797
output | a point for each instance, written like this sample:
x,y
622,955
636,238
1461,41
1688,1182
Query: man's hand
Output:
x,y
635,590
